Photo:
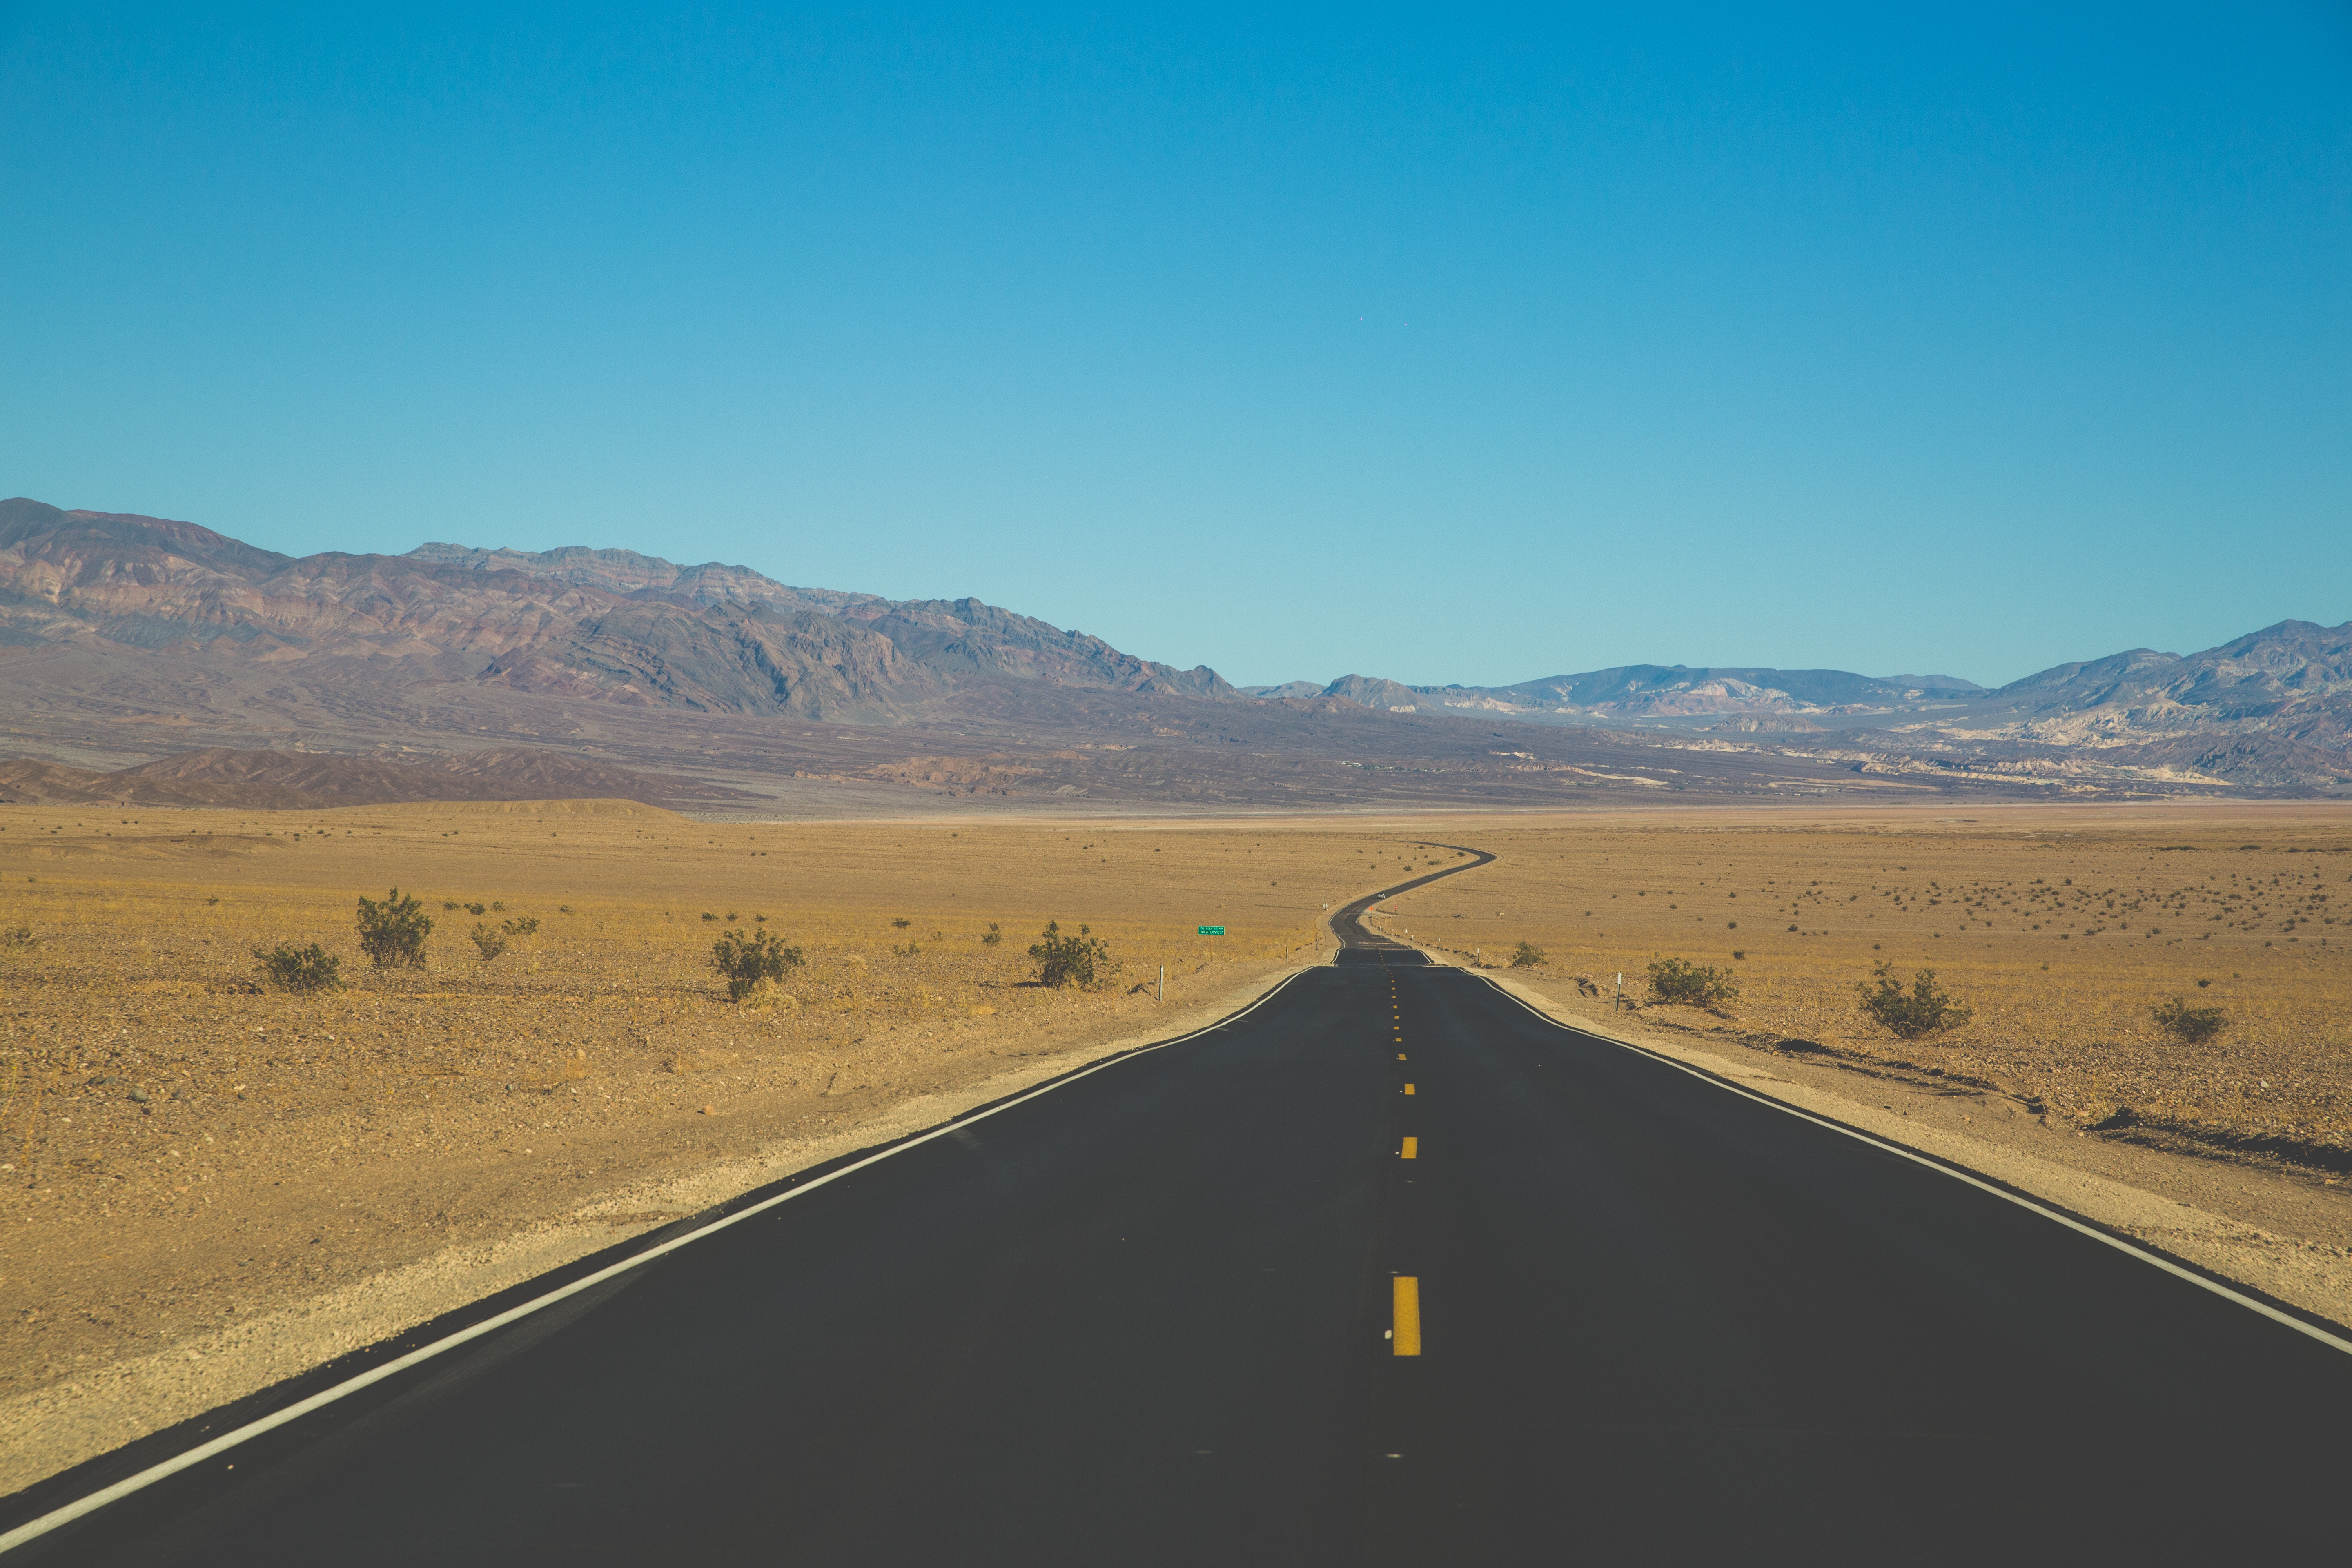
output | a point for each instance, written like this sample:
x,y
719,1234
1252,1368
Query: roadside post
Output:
x,y
1618,995
1163,982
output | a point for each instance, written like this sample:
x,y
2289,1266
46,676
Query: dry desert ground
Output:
x,y
212,1184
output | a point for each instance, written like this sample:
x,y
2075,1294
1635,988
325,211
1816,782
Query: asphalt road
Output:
x,y
1147,1318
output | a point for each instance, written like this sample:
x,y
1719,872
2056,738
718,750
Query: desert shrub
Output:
x,y
1526,955
1679,980
746,958
2189,1026
393,930
19,939
520,926
993,936
708,915
901,925
451,904
475,909
490,939
302,969
1069,960
1921,1012
908,951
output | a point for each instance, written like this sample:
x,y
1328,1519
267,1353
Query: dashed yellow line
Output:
x,y
1411,1149
1408,1089
1405,1337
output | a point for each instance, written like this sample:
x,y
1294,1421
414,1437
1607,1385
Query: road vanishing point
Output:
x,y
1386,1269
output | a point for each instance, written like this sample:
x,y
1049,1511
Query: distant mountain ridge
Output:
x,y
374,645
1648,691
601,625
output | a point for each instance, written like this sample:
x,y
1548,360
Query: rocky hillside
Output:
x,y
605,625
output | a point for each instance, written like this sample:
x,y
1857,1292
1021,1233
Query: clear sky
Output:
x,y
1445,344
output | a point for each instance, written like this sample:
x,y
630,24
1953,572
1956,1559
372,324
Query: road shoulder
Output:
x,y
2284,1233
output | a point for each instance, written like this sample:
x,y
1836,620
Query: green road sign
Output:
x,y
1212,930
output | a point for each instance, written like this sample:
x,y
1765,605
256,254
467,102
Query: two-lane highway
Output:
x,y
1391,1270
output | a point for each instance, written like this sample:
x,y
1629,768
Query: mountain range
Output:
x,y
128,638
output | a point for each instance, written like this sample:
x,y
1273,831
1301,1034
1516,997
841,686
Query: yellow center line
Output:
x,y
1406,1336
1411,1149
1408,1089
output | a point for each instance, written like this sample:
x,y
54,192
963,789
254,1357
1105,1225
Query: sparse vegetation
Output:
x,y
393,930
475,909
2189,1026
899,924
18,939
300,969
520,926
992,937
1677,981
1065,961
1925,1010
1526,955
748,958
424,1057
490,939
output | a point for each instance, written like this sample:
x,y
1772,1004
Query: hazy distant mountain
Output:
x,y
1652,693
2274,708
127,636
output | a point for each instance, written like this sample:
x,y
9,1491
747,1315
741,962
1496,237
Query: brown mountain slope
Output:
x,y
222,776
596,624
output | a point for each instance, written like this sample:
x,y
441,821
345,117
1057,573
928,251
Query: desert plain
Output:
x,y
213,1184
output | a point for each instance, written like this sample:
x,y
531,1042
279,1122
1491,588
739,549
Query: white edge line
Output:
x,y
1959,1174
227,1440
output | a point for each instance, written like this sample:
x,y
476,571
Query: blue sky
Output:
x,y
1442,344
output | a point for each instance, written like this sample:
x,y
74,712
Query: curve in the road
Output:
x,y
1349,926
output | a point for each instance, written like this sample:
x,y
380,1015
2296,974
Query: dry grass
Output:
x,y
2061,928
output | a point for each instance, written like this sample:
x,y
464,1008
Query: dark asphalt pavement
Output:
x,y
1145,1318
